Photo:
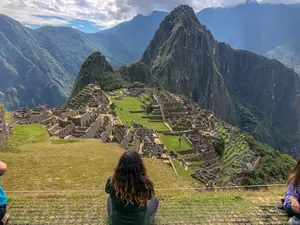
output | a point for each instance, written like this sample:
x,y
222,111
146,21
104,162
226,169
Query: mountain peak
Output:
x,y
91,70
181,56
184,17
184,10
252,2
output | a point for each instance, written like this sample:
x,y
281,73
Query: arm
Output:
x,y
108,187
3,168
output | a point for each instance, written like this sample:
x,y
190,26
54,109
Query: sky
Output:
x,y
96,15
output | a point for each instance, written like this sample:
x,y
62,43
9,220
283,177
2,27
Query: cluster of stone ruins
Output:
x,y
90,115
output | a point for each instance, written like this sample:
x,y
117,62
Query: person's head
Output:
x,y
295,175
131,181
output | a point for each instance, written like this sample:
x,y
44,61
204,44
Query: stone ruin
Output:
x,y
87,117
134,92
91,96
3,126
31,116
186,118
142,140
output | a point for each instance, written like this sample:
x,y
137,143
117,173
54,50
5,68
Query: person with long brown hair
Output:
x,y
292,197
131,198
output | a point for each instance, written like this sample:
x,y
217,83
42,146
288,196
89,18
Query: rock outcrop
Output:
x,y
91,71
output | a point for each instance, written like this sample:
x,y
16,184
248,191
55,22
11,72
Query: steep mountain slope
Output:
x,y
256,27
287,55
91,72
137,33
39,66
184,57
28,73
266,95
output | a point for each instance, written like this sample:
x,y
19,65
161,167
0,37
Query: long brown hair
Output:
x,y
131,181
295,175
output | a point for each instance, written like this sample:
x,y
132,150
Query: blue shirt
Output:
x,y
3,198
292,191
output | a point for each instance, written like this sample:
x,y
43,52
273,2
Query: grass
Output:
x,y
132,104
25,134
8,116
172,144
38,163
184,173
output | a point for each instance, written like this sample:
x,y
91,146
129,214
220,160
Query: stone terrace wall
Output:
x,y
95,126
2,125
66,131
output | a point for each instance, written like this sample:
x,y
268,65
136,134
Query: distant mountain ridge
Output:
x,y
51,56
39,66
137,33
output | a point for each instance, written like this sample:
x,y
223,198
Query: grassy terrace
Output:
x,y
40,163
128,104
49,170
132,104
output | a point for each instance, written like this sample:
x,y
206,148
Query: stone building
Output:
x,y
3,130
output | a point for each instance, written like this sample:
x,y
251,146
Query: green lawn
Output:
x,y
25,134
36,162
172,144
132,104
185,173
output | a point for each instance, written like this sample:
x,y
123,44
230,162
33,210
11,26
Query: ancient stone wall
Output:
x,y
66,131
34,118
95,126
3,132
81,120
51,119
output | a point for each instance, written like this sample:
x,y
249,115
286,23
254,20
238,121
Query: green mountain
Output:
x,y
28,73
181,56
259,28
90,73
39,66
260,95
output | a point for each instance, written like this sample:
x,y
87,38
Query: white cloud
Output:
x,y
81,26
74,27
104,13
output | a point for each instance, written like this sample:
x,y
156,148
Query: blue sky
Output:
x,y
82,25
94,15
